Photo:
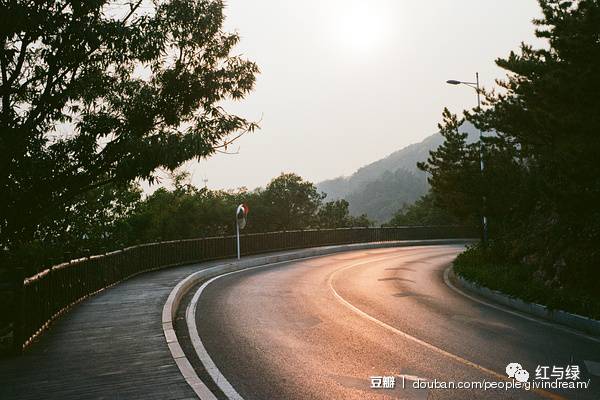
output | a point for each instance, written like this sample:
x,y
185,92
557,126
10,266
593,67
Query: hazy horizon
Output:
x,y
346,83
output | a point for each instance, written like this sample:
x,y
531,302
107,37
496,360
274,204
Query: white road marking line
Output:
x,y
419,341
205,359
515,313
232,394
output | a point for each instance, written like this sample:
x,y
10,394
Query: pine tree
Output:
x,y
548,119
453,167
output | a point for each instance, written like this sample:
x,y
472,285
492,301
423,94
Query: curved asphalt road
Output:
x,y
320,328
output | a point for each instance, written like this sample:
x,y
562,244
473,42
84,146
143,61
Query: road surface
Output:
x,y
321,328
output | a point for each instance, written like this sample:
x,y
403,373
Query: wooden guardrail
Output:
x,y
41,298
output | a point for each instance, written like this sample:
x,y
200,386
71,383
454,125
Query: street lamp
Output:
x,y
475,85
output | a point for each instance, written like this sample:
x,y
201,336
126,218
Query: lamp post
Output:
x,y
475,85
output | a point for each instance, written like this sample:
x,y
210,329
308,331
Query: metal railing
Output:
x,y
46,295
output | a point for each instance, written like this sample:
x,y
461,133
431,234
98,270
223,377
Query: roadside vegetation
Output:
x,y
423,212
79,128
490,268
96,95
114,217
540,188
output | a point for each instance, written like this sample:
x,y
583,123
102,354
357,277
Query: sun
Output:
x,y
361,26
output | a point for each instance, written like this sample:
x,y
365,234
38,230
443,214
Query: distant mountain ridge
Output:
x,y
381,188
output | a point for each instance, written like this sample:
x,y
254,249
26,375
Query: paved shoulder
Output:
x,y
110,346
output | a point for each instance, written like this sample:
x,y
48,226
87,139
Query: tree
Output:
x,y
547,116
455,178
361,221
336,214
99,92
423,212
292,202
461,191
96,222
185,212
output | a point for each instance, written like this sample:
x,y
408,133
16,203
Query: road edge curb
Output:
x,y
573,321
179,291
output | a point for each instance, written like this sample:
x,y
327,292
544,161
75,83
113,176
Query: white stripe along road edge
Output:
x,y
229,391
172,304
205,358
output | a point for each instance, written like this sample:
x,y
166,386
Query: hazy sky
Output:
x,y
346,82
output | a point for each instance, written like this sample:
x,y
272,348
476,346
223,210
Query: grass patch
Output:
x,y
482,267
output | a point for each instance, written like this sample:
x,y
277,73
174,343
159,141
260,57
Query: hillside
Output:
x,y
379,189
